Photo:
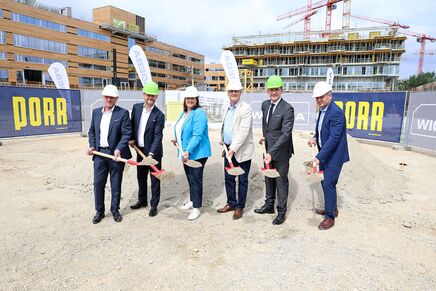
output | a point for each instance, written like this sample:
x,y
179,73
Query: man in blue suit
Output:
x,y
147,126
109,133
331,140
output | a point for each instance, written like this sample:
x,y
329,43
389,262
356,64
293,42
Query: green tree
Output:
x,y
415,81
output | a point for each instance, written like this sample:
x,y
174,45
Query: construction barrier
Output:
x,y
420,129
37,111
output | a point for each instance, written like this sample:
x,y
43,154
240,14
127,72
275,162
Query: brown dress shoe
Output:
x,y
322,212
225,209
238,213
326,223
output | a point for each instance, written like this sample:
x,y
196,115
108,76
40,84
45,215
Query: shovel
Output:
x,y
130,162
146,161
267,171
232,170
312,170
160,174
189,163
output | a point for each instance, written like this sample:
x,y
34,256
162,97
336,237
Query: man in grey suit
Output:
x,y
109,133
277,124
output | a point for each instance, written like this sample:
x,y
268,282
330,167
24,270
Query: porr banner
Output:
x,y
37,111
377,116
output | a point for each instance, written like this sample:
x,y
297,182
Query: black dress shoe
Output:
x,y
281,217
153,212
117,217
97,218
138,205
265,209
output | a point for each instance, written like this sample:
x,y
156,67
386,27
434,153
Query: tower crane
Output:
x,y
394,25
421,38
329,4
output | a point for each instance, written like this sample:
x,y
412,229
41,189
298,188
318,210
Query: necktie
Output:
x,y
271,108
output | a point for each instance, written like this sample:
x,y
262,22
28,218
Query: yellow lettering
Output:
x,y
340,104
377,113
48,109
61,110
362,115
350,113
20,116
34,111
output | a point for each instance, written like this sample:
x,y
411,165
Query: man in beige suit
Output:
x,y
237,136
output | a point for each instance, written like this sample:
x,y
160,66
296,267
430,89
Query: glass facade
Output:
x,y
90,52
40,44
38,22
39,60
94,35
94,67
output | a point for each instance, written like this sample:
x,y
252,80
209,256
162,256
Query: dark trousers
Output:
x,y
278,185
142,177
102,168
242,184
195,181
331,177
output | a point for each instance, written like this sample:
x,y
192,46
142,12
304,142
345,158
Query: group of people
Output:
x,y
112,131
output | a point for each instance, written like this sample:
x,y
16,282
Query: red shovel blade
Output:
x,y
132,163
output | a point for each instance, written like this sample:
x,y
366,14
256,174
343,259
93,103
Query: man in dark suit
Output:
x,y
277,124
109,133
331,140
148,123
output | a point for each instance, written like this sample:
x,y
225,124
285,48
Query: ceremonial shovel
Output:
x,y
160,174
189,163
130,162
267,171
312,170
232,170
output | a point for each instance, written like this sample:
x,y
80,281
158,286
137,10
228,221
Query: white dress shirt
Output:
x,y
275,106
179,126
104,126
142,124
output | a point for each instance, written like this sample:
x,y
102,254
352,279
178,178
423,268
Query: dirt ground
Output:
x,y
384,237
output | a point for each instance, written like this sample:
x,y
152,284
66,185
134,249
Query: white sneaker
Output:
x,y
186,206
195,213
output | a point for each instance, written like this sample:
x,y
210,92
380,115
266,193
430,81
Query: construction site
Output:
x,y
362,58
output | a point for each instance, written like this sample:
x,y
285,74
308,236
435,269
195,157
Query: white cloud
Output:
x,y
205,26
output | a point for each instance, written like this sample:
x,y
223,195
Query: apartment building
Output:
x,y
363,59
215,77
34,35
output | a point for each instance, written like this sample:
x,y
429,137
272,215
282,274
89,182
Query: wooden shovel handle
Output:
x,y
264,155
109,156
227,155
179,147
139,151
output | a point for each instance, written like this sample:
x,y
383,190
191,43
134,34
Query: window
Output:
x,y
94,35
94,67
157,50
131,42
1,13
195,60
39,60
93,82
4,75
40,44
3,56
2,37
89,52
38,22
180,56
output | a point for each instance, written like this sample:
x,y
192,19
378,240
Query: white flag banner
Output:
x,y
330,76
230,67
139,60
59,75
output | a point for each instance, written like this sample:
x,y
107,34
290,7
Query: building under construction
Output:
x,y
365,59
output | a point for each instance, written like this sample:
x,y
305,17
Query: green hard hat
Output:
x,y
274,82
151,88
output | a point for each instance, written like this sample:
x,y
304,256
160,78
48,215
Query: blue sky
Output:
x,y
205,26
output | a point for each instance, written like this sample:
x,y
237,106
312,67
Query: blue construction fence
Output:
x,y
376,116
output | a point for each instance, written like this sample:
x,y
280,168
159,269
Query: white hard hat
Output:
x,y
110,90
234,84
321,88
190,91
